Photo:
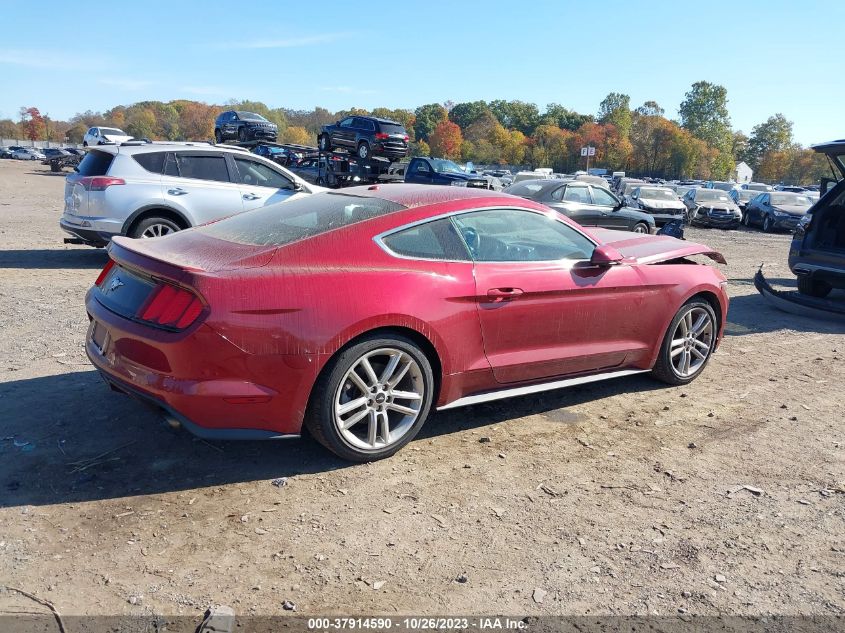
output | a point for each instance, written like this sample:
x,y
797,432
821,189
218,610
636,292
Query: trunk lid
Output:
x,y
190,252
653,249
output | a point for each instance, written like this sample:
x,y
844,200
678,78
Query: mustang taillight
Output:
x,y
170,306
100,183
109,265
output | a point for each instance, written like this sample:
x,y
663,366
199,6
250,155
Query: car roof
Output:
x,y
140,147
411,196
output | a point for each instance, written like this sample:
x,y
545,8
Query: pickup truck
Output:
x,y
439,171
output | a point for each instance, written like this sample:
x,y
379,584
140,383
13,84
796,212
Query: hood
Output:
x,y
117,138
791,209
662,204
653,249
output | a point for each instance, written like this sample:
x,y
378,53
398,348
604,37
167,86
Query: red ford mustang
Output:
x,y
356,312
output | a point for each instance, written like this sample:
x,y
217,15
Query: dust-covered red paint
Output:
x,y
273,316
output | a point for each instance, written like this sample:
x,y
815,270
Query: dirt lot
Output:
x,y
614,498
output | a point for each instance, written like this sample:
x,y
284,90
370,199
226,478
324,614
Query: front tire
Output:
x,y
242,134
218,136
640,227
687,344
372,398
768,225
324,143
746,219
813,287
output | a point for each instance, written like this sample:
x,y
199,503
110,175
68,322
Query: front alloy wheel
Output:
x,y
688,343
372,399
640,227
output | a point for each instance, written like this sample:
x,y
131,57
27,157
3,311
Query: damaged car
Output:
x,y
661,203
712,207
256,325
817,252
776,210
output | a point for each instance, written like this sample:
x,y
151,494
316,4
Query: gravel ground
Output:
x,y
623,497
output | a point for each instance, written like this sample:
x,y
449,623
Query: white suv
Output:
x,y
143,189
104,136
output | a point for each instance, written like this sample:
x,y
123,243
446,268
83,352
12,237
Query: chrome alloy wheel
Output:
x,y
692,342
379,399
157,230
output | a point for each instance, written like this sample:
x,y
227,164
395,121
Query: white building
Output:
x,y
742,173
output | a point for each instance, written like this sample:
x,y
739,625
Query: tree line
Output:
x,y
641,141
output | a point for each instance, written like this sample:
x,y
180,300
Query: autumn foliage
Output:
x,y
640,141
446,140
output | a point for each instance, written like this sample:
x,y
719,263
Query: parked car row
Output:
x,y
15,152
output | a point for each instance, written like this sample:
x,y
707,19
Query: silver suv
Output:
x,y
142,189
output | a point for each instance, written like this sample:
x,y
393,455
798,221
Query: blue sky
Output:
x,y
775,56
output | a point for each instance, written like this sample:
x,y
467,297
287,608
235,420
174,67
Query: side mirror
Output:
x,y
605,255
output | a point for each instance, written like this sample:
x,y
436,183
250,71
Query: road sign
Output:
x,y
584,151
591,151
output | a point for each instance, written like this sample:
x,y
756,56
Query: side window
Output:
x,y
557,194
152,162
576,193
766,198
422,167
433,240
510,235
602,197
347,122
255,173
203,167
170,167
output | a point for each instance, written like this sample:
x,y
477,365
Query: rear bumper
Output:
x,y
830,274
199,378
86,234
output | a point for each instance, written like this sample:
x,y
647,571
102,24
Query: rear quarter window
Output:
x,y
433,240
95,163
152,161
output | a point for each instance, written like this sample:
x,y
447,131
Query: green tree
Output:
x,y
465,114
615,109
428,117
516,115
564,118
704,112
773,135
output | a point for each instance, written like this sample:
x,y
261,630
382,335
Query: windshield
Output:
x,y
657,194
250,116
712,194
112,130
794,199
758,187
443,166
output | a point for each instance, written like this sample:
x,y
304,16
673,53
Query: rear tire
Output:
x,y
363,150
356,432
640,227
154,227
813,287
691,335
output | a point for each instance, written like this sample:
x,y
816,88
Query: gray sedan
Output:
x,y
587,204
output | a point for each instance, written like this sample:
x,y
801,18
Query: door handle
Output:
x,y
504,293
250,196
178,191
